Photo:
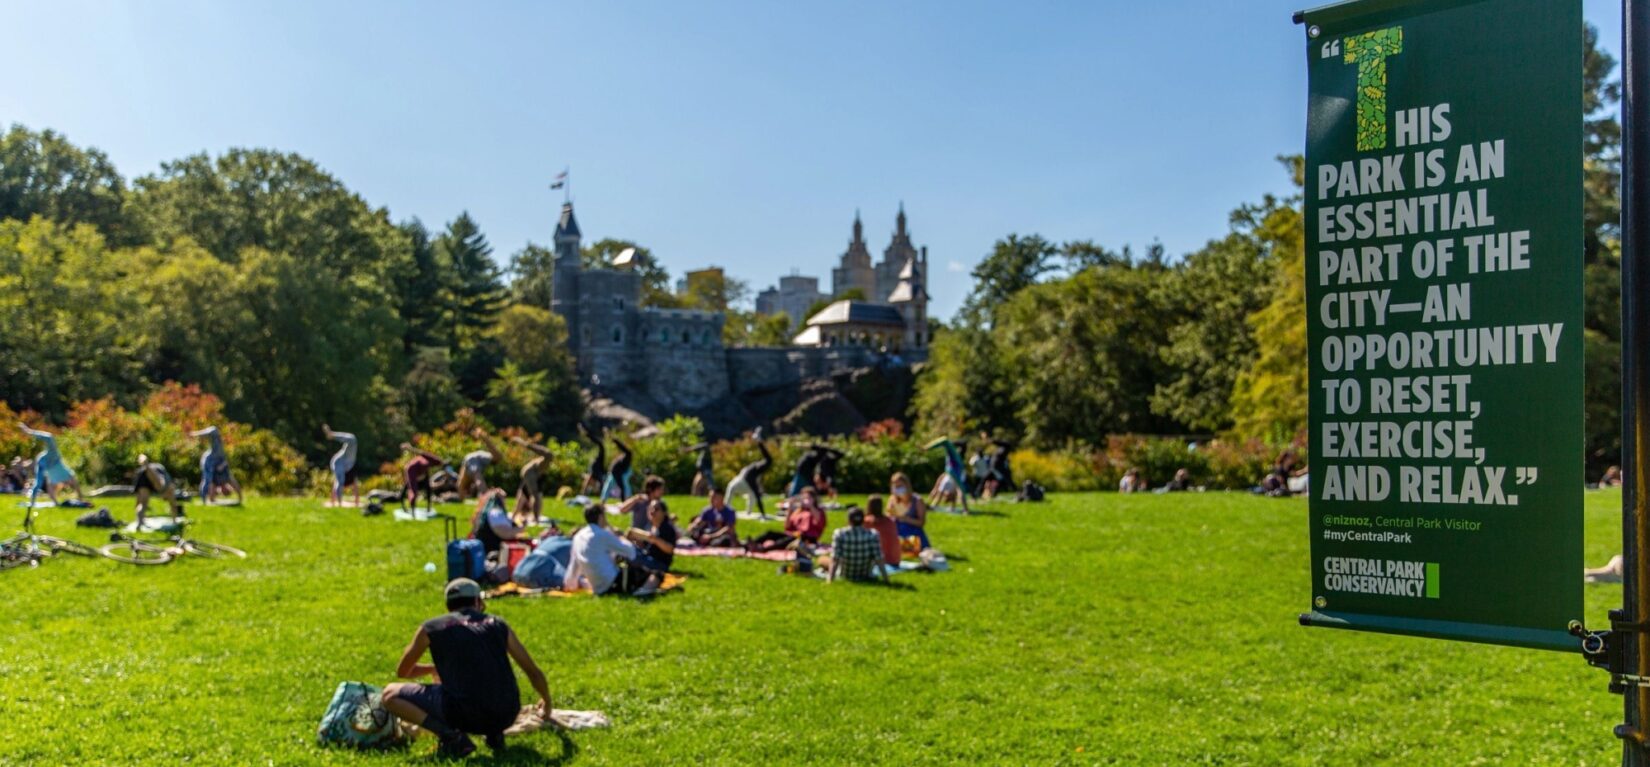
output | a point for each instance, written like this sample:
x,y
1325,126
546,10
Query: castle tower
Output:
x,y
856,270
899,252
910,297
564,291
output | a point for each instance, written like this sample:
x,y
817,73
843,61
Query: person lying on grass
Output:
x,y
656,551
804,523
492,524
716,523
151,478
856,551
475,689
653,488
595,549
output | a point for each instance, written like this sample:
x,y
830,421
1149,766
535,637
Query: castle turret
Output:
x,y
856,270
910,297
564,292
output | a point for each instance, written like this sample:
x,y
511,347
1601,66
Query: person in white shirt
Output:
x,y
594,550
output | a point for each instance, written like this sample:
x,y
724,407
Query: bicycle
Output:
x,y
135,551
29,548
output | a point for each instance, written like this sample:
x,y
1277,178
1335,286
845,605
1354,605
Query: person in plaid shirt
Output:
x,y
856,551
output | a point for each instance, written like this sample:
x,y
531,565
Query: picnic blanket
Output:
x,y
528,720
671,581
158,525
734,552
416,515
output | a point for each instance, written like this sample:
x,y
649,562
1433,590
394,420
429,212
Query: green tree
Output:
x,y
1269,399
425,292
714,291
476,292
750,329
64,337
532,270
656,288
275,202
965,387
1208,298
43,174
1085,354
1015,263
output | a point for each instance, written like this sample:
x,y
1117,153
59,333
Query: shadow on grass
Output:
x,y
518,750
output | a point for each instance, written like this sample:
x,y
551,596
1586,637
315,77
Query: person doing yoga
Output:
x,y
954,468
216,479
749,479
530,497
703,480
51,474
597,473
343,466
618,474
152,479
415,474
472,476
807,466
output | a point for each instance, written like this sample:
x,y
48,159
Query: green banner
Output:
x,y
1444,318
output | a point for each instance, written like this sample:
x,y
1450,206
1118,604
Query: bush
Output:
x,y
102,441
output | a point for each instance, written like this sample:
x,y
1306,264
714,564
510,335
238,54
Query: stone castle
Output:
x,y
656,362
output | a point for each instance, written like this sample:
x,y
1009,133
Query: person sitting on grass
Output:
x,y
529,496
704,480
1132,482
1277,482
804,524
1181,483
475,690
51,474
151,478
617,483
656,551
910,515
596,474
825,475
492,524
716,524
638,507
415,476
472,472
595,548
343,466
216,478
887,530
856,551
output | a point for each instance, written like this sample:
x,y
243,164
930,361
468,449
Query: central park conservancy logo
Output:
x,y
1386,577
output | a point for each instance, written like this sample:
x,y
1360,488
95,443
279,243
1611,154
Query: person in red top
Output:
x,y
887,529
805,522
415,473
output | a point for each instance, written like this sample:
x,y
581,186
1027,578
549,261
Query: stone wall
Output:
x,y
753,370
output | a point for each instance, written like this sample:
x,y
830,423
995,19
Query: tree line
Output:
x,y
1067,343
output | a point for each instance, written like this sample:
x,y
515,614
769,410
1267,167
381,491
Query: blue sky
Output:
x,y
742,135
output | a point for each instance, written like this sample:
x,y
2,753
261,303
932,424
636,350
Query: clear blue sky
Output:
x,y
742,135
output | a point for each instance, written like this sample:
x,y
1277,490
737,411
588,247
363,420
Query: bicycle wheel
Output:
x,y
12,557
211,550
136,553
64,546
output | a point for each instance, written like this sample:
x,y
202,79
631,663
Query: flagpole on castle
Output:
x,y
561,182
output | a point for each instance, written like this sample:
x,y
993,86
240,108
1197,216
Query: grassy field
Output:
x,y
1093,629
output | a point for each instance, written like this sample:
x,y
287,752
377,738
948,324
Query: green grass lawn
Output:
x,y
1092,629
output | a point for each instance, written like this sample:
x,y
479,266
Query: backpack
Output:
x,y
356,718
1031,492
466,558
545,566
99,518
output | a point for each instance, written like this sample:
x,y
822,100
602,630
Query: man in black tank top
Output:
x,y
475,690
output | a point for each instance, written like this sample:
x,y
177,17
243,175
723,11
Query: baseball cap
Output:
x,y
463,588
